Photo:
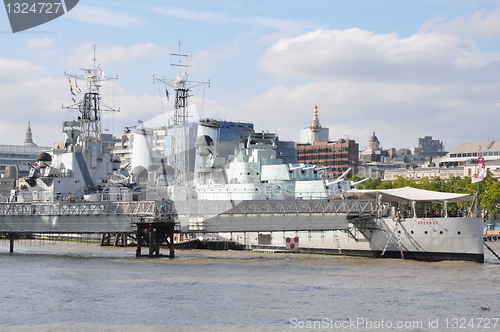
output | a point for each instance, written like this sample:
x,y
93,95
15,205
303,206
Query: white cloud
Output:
x,y
220,18
479,24
104,16
333,54
40,43
12,71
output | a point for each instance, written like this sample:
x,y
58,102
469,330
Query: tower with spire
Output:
x,y
315,127
315,132
29,137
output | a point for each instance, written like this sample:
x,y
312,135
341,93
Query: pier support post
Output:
x,y
139,243
171,244
156,233
11,239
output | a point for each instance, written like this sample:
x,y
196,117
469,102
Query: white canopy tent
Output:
x,y
409,194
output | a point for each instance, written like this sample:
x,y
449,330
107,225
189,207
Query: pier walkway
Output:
x,y
104,217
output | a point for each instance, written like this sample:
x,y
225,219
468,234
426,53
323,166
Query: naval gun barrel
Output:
x,y
354,184
296,167
344,174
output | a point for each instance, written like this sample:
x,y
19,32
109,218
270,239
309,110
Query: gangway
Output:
x,y
103,217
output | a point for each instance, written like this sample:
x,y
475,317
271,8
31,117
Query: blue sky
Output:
x,y
404,69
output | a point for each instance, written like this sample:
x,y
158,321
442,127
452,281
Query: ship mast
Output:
x,y
180,139
90,107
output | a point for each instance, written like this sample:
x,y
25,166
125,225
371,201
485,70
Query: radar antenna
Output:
x,y
180,139
90,106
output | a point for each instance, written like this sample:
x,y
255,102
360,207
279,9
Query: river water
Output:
x,y
68,286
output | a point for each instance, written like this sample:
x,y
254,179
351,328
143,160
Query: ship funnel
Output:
x,y
142,150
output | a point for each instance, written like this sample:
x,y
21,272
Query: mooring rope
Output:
x,y
489,248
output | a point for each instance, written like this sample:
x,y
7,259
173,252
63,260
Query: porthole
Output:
x,y
399,232
425,232
440,232
459,232
411,232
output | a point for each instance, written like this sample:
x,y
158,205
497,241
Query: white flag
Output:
x,y
102,73
481,174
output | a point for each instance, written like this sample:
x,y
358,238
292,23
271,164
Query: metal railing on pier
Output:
x,y
281,207
146,209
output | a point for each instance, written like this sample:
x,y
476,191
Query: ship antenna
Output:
x,y
90,107
180,139
94,59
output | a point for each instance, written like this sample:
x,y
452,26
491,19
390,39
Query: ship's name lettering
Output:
x,y
428,222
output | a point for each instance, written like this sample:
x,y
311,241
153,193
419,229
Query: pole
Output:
x,y
11,238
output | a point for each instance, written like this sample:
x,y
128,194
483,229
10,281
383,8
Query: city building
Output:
x,y
337,155
374,152
376,162
467,153
427,144
422,172
285,150
14,160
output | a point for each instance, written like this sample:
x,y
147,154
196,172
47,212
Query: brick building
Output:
x,y
340,155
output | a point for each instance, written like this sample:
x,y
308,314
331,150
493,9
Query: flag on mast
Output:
x,y
102,73
481,173
77,88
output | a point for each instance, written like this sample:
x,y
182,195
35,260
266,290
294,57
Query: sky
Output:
x,y
403,69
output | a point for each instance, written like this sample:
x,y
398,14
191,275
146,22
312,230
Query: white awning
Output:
x,y
408,194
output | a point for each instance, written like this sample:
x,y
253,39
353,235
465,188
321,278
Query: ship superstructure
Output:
x,y
82,165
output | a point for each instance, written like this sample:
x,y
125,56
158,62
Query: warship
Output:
x,y
250,197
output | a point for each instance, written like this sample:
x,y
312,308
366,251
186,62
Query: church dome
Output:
x,y
373,138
